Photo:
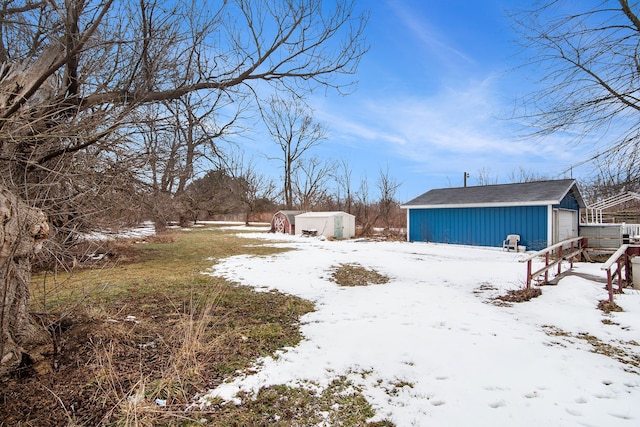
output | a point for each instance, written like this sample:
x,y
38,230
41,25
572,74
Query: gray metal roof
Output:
x,y
291,215
525,193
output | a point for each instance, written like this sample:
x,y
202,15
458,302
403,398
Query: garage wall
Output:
x,y
480,226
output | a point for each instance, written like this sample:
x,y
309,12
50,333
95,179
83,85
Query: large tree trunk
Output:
x,y
22,228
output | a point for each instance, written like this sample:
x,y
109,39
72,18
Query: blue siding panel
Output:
x,y
569,202
480,226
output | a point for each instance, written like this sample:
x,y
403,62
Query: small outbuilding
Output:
x,y
284,222
540,213
339,225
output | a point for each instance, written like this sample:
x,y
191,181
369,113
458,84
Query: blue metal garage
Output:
x,y
540,212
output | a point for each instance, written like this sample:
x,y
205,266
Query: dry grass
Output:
x,y
520,295
138,336
617,350
356,275
608,306
340,404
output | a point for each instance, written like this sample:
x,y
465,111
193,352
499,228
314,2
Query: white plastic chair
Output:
x,y
511,242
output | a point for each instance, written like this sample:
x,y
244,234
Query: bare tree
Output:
x,y
387,204
256,190
310,182
523,175
588,56
486,177
343,179
363,206
294,130
178,136
612,178
74,74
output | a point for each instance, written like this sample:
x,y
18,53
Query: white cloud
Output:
x,y
455,129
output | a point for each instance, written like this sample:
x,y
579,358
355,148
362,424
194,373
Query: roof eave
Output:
x,y
577,195
482,205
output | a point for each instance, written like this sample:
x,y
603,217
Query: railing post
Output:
x,y
609,286
528,274
627,267
546,264
619,262
559,260
571,259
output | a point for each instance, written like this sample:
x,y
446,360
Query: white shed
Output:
x,y
339,225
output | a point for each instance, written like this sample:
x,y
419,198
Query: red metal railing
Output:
x,y
621,260
554,255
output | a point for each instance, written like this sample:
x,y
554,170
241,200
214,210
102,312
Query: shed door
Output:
x,y
338,227
566,224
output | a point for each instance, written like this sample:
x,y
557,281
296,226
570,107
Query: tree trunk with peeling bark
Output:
x,y
22,228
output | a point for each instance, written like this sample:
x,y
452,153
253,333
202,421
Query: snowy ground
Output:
x,y
144,230
430,349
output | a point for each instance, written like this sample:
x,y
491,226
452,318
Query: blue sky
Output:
x,y
435,98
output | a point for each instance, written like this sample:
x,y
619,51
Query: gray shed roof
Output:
x,y
291,215
525,193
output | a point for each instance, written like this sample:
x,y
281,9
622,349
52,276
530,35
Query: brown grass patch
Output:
x,y
520,295
617,350
356,275
608,306
340,404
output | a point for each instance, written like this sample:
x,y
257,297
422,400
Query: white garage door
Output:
x,y
566,224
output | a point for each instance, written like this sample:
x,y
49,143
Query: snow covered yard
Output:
x,y
431,347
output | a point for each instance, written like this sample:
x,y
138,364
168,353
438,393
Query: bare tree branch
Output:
x,y
589,62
